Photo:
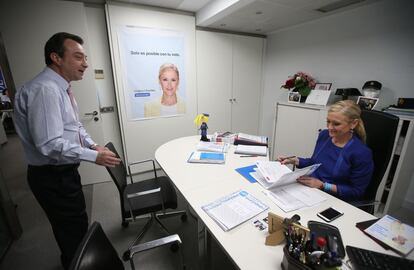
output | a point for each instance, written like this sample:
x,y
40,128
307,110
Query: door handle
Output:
x,y
94,113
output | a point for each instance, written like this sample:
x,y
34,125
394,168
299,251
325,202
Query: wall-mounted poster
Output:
x,y
153,72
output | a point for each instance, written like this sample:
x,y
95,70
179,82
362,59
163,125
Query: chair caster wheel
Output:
x,y
125,224
184,217
174,247
126,256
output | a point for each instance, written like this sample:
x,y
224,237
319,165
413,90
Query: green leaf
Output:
x,y
304,91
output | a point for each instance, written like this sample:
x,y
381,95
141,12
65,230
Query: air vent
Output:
x,y
337,5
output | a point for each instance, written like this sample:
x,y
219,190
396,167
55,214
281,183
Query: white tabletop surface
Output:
x,y
201,184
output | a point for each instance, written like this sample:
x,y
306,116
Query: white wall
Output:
x,y
374,42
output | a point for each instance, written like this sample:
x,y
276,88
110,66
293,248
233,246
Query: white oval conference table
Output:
x,y
201,184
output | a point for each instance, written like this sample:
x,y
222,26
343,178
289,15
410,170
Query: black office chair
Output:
x,y
96,251
381,128
144,197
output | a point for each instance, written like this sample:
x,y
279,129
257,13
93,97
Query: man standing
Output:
x,y
55,142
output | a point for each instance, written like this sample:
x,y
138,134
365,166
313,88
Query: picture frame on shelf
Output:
x,y
320,94
367,103
323,86
294,97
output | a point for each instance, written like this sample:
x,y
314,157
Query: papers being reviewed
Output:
x,y
282,188
272,174
207,157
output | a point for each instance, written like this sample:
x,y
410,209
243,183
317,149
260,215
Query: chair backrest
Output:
x,y
117,173
96,252
381,128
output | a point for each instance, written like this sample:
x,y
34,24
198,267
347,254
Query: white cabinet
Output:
x,y
229,71
296,128
395,191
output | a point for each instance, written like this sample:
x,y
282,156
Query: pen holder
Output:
x,y
290,263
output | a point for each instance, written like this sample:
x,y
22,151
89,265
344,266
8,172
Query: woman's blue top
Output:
x,y
350,168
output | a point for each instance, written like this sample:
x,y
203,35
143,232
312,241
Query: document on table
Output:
x,y
258,150
294,196
234,209
213,147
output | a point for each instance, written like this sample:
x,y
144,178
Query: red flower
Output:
x,y
289,83
300,82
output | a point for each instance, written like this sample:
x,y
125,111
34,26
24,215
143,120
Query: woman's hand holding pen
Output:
x,y
288,160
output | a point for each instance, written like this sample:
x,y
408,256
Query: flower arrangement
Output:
x,y
300,82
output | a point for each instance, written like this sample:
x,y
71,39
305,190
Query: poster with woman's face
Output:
x,y
153,72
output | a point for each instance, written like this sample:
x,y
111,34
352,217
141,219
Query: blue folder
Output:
x,y
245,172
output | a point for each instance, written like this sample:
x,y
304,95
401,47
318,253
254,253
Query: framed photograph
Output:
x,y
323,86
367,103
294,97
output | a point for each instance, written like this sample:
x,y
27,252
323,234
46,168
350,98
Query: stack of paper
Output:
x,y
207,157
282,187
226,137
213,147
234,209
248,139
257,150
393,233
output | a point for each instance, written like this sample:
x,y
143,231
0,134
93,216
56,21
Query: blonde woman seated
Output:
x,y
347,164
170,103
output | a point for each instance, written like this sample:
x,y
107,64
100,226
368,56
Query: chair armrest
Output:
x,y
365,203
140,162
150,191
154,244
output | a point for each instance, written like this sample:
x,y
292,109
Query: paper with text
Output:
x,y
234,209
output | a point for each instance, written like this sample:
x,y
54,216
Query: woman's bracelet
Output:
x,y
327,187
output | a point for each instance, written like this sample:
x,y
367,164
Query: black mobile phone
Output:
x,y
329,214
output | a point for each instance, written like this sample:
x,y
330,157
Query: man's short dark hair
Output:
x,y
55,44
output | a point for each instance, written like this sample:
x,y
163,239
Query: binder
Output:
x,y
207,157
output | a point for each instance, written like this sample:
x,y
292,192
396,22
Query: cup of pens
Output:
x,y
305,250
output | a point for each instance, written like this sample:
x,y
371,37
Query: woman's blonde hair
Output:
x,y
167,66
352,111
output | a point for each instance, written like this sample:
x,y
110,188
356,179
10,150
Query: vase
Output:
x,y
302,99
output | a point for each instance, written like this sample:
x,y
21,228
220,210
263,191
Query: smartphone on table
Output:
x,y
329,214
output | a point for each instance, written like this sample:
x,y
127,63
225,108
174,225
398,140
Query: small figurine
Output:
x,y
201,120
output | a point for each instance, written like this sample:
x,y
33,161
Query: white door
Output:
x,y
214,83
247,72
87,98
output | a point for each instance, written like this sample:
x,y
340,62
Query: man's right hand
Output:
x,y
107,158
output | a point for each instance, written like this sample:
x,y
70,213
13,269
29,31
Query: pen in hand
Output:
x,y
282,159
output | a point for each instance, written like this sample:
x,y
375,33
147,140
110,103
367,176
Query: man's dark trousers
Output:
x,y
58,190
